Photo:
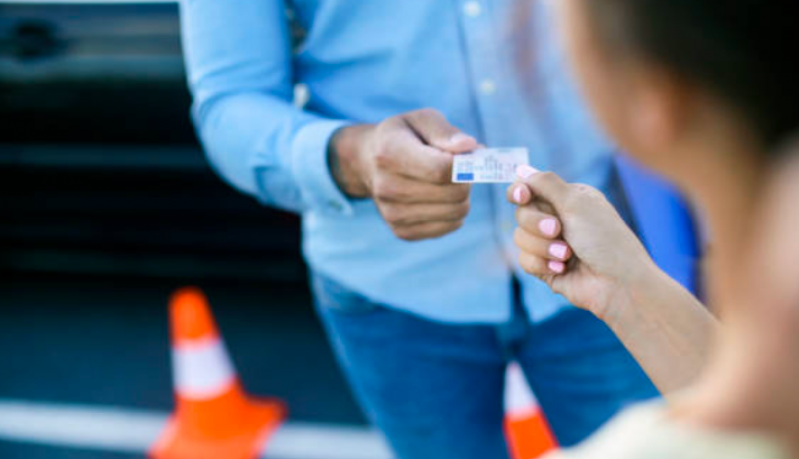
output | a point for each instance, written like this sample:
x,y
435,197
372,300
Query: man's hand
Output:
x,y
405,165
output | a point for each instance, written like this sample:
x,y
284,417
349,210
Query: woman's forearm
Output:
x,y
664,327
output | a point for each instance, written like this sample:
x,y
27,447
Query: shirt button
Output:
x,y
472,9
335,205
488,87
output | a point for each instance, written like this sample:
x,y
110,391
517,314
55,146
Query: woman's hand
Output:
x,y
606,270
573,239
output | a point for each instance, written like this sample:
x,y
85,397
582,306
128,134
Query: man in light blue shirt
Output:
x,y
415,278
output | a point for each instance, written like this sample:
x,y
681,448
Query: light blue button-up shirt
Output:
x,y
363,61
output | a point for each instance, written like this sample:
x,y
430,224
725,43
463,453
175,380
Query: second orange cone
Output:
x,y
526,428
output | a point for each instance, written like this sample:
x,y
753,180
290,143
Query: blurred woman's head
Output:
x,y
706,91
667,78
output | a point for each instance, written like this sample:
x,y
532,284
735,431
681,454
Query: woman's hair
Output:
x,y
745,51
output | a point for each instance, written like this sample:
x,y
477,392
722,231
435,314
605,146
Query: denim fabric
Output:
x,y
435,389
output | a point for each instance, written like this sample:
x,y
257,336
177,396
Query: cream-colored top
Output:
x,y
646,432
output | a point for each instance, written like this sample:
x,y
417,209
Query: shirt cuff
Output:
x,y
311,170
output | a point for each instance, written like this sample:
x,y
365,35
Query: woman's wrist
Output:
x,y
637,286
664,327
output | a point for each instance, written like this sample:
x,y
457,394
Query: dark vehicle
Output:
x,y
100,171
107,205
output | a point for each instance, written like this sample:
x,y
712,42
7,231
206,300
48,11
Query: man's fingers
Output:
x,y
434,130
399,215
429,230
403,190
406,155
539,223
420,145
426,164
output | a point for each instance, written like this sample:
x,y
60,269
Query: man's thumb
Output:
x,y
434,130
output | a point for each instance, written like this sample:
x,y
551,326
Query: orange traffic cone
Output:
x,y
526,428
214,418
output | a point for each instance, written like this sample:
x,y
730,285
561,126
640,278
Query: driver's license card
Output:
x,y
489,165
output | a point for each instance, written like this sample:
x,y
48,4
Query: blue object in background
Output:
x,y
664,221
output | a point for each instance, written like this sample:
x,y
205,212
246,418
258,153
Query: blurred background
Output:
x,y
107,205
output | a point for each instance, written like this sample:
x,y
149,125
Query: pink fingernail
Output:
x,y
517,195
524,171
557,266
548,226
558,250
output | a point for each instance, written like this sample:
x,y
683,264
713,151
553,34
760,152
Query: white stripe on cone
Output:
x,y
202,369
519,398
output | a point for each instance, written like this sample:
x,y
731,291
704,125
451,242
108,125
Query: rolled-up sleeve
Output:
x,y
239,63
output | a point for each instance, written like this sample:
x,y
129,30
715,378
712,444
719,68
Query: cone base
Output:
x,y
257,424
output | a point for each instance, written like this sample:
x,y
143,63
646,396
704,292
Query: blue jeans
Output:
x,y
435,389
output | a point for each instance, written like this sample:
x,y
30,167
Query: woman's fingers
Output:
x,y
542,253
534,221
546,186
519,194
542,247
534,213
539,267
